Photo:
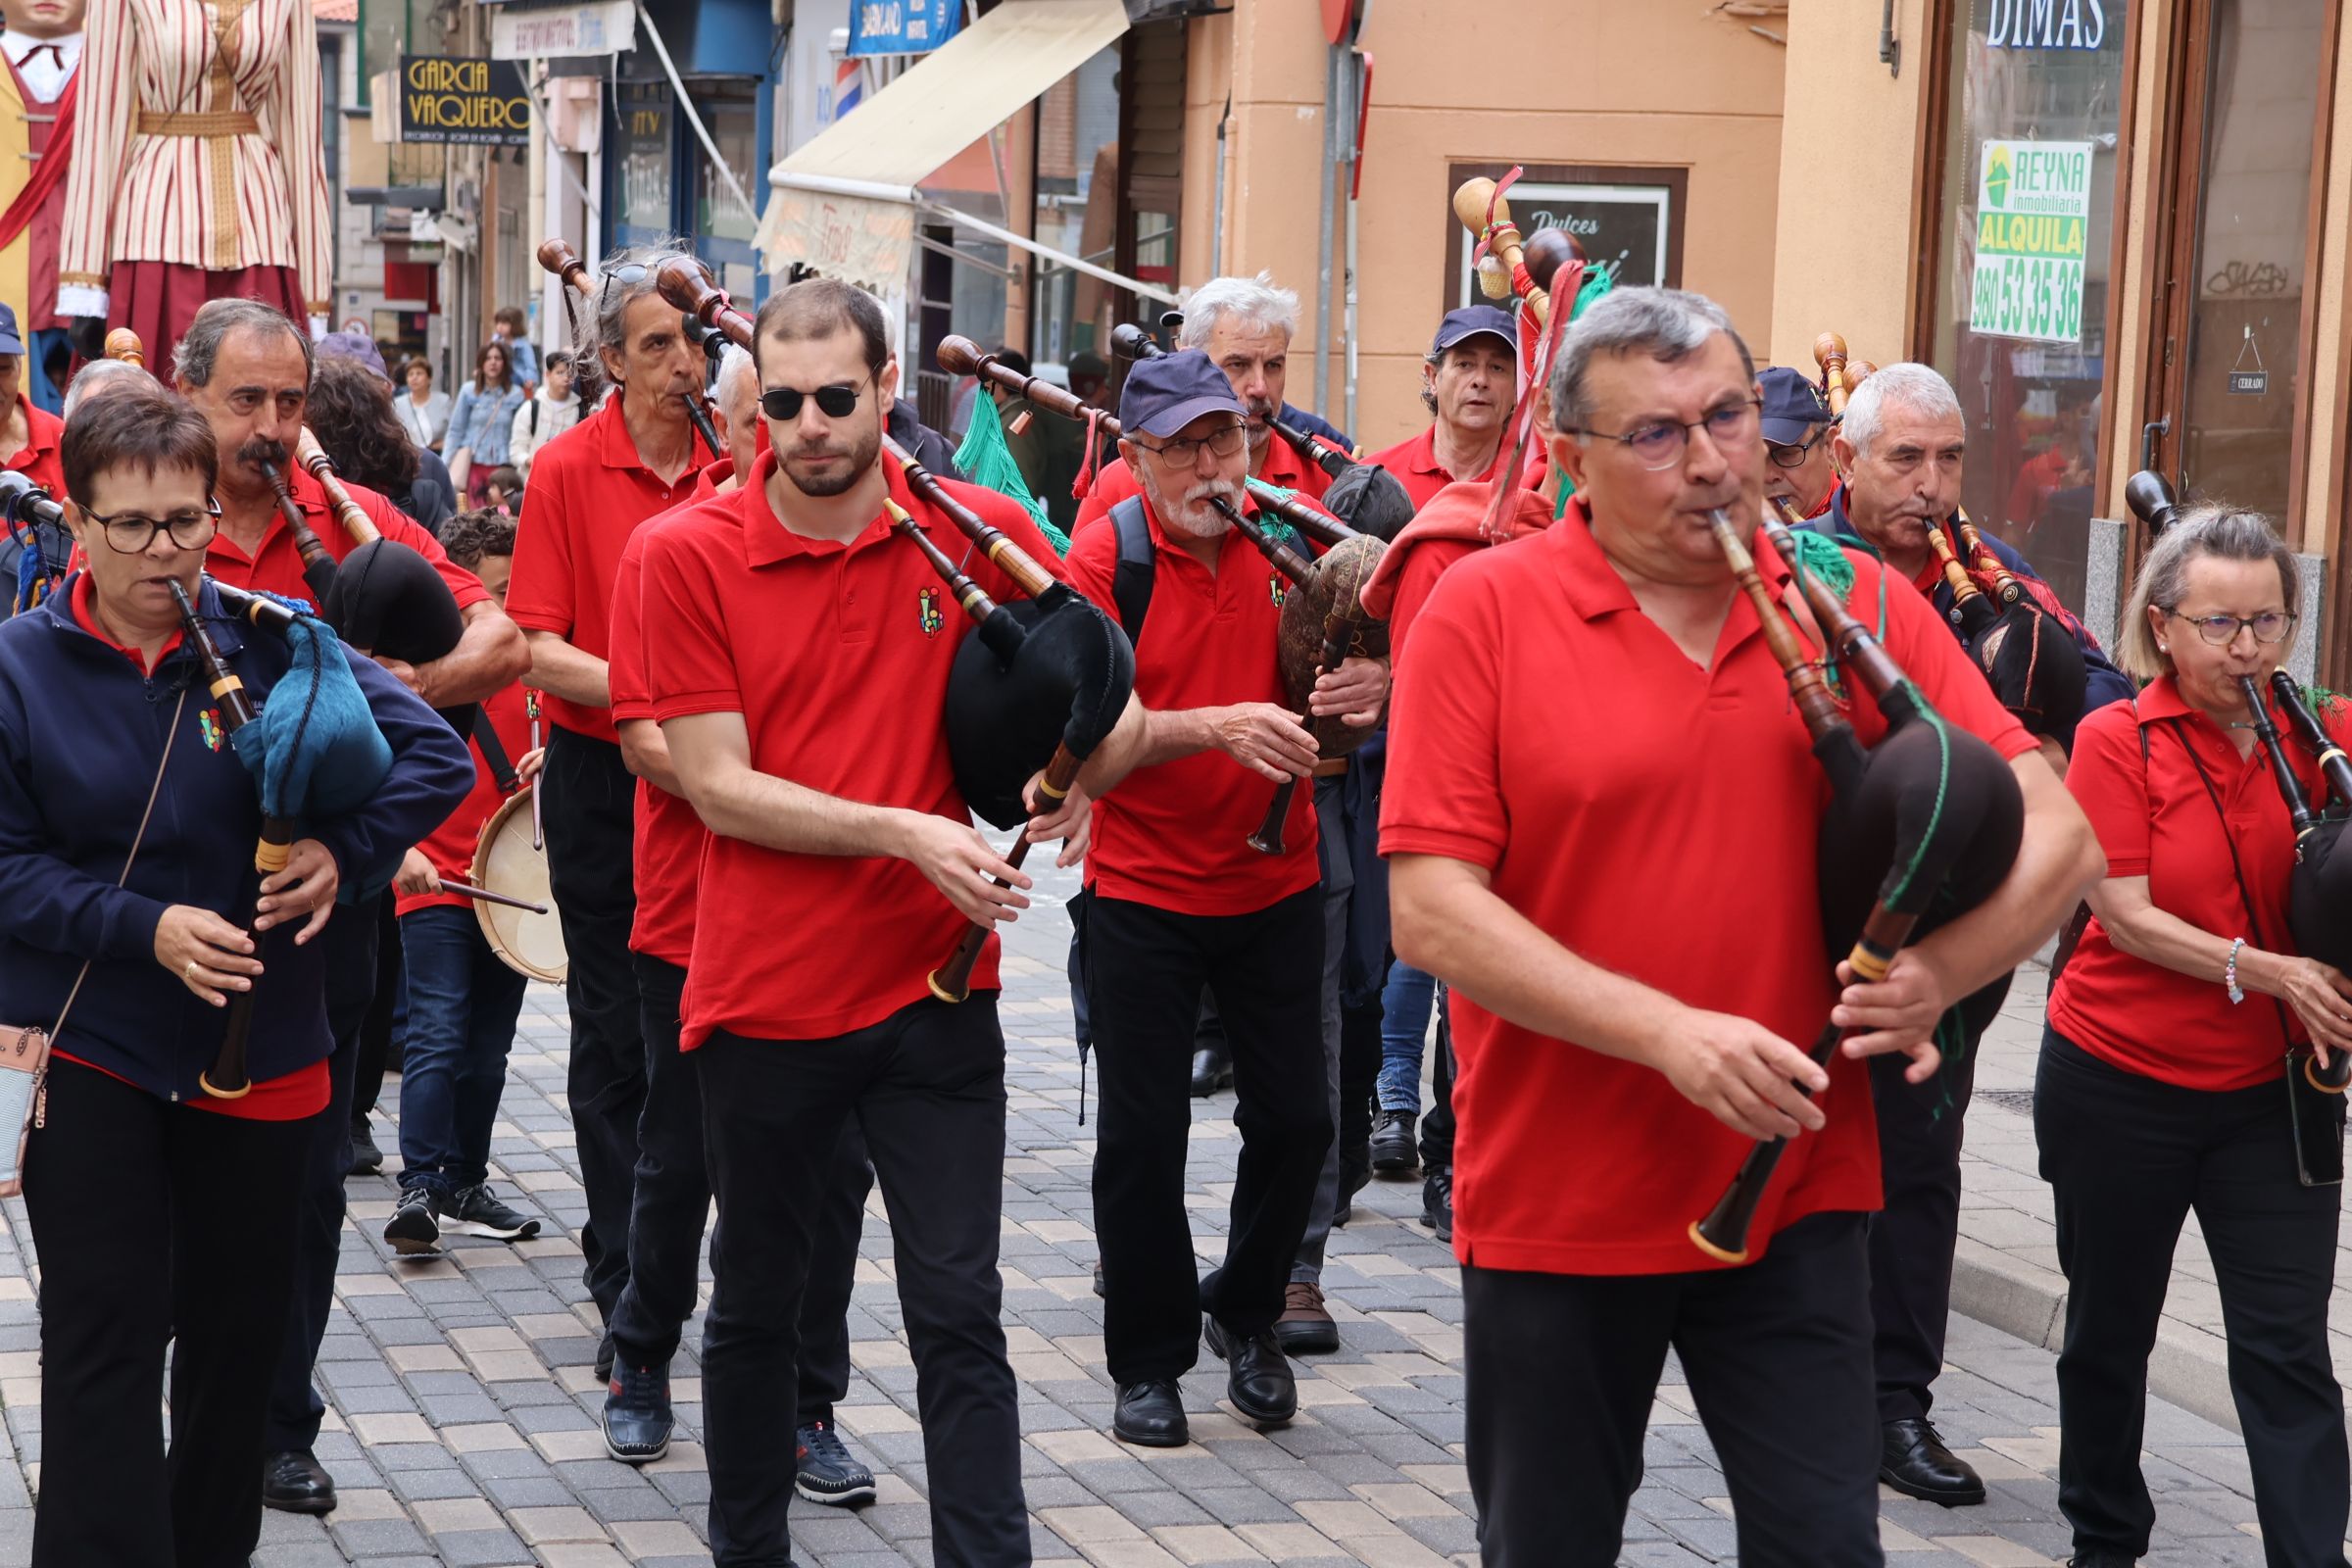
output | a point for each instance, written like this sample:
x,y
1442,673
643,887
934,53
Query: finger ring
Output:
x,y
189,973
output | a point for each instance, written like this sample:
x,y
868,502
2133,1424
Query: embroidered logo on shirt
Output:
x,y
932,619
208,724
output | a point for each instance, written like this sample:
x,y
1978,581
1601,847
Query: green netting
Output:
x,y
987,461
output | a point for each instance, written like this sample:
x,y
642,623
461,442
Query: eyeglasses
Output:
x,y
2270,626
1661,445
131,534
834,402
1793,455
1222,442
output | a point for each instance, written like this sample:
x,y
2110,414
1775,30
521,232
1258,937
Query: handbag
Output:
x,y
2315,1116
25,1048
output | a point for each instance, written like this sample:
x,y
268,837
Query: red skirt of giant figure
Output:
x,y
158,299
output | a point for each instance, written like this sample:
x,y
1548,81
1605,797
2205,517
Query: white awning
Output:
x,y
844,201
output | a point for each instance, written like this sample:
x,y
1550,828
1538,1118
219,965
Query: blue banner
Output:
x,y
902,27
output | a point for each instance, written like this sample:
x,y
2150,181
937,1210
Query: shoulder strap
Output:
x,y
494,752
1131,580
534,416
170,734
2245,894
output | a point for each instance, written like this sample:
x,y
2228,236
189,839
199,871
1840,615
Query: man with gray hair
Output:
x,y
591,487
1245,324
1620,1056
1900,446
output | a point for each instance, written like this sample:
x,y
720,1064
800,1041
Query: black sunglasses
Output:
x,y
633,273
834,402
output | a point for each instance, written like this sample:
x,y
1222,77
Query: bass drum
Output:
x,y
504,861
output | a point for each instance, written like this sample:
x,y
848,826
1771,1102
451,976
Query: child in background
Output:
x,y
504,492
463,1001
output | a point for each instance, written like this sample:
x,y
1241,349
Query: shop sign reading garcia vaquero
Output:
x,y
449,100
2032,224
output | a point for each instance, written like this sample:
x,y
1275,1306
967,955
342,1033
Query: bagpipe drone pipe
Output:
x,y
1921,827
2319,890
1040,683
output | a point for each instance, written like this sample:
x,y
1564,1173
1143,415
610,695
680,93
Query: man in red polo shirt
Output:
x,y
1624,1026
796,662
1179,904
246,368
591,487
672,1195
1244,326
29,434
1468,382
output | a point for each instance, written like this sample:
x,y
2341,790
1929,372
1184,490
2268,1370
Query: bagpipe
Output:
x,y
1365,496
1323,605
2318,891
314,749
1921,827
1047,678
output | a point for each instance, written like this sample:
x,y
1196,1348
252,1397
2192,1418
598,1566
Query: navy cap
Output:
x,y
1468,322
1792,407
1165,394
356,346
10,342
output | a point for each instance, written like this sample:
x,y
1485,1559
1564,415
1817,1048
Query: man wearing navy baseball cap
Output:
x,y
1469,381
1177,902
1796,441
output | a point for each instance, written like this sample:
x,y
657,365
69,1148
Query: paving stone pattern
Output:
x,y
463,1426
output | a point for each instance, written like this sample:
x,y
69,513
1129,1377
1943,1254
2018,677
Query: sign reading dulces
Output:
x,y
448,100
2032,224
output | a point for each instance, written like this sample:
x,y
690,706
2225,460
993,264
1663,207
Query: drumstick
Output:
x,y
451,885
530,701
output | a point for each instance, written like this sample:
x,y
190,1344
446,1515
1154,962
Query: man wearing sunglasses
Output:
x,y
1178,902
796,655
591,488
1797,427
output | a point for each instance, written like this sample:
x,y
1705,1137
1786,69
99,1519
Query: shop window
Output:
x,y
645,152
2025,222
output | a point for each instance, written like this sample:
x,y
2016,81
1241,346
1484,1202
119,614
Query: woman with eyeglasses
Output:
x,y
2162,1084
126,833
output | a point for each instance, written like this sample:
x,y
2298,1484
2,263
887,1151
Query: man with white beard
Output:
x,y
1178,902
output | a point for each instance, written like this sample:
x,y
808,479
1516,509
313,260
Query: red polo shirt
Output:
x,y
275,564
837,657
2154,819
666,854
1175,835
1656,818
1415,464
451,846
1284,469
38,458
589,492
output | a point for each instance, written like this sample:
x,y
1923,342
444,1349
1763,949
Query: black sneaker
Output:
x,y
1393,1150
478,1212
365,1158
1437,1203
413,1227
637,1418
823,1470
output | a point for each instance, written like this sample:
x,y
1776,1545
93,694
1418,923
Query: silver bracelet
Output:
x,y
2230,971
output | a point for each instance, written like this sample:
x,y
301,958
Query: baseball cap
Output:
x,y
10,342
1468,322
1792,407
355,346
1165,394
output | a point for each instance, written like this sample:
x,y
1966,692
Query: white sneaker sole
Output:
x,y
524,1232
846,1497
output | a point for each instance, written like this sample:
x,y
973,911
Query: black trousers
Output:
x,y
1437,1128
673,1198
1912,1239
590,813
353,950
124,1191
1560,1370
1146,968
376,1029
926,1086
2126,1158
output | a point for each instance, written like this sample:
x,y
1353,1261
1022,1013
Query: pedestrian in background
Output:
x,y
424,410
548,413
483,421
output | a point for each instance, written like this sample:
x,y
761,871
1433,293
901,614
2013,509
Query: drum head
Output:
x,y
504,861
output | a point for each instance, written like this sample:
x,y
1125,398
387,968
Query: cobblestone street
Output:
x,y
463,1416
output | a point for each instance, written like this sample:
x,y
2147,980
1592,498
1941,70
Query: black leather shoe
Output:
x,y
295,1482
1150,1414
1393,1149
1436,1202
1212,1071
1914,1462
1258,1378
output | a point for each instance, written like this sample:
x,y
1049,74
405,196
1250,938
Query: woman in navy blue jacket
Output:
x,y
131,1167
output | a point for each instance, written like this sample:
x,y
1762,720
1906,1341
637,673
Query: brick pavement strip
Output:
x,y
463,1413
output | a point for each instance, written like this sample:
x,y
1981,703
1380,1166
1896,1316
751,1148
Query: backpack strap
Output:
x,y
1131,579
